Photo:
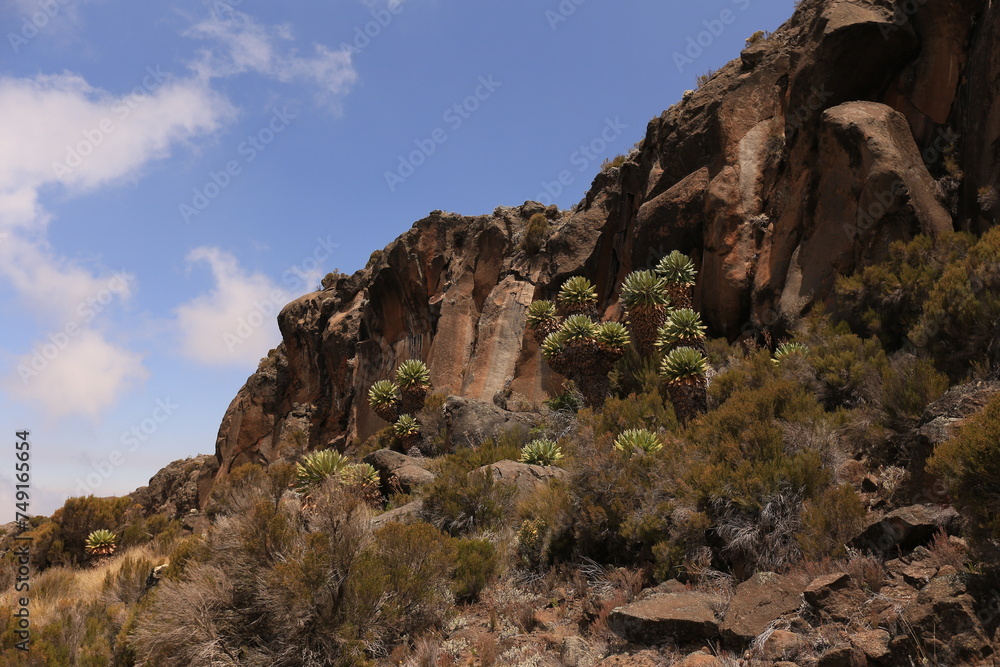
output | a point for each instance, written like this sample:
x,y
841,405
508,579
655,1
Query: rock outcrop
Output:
x,y
850,127
180,487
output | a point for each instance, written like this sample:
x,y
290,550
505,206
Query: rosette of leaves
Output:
x,y
578,296
613,340
645,297
579,338
683,328
384,397
317,467
101,542
679,272
786,350
637,440
685,370
407,431
414,380
543,319
541,452
554,352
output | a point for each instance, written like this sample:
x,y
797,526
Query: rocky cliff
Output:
x,y
857,123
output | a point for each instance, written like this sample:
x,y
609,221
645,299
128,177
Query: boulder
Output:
x,y
526,477
906,528
408,513
784,645
399,471
874,645
675,617
758,601
470,421
638,659
834,596
842,656
699,659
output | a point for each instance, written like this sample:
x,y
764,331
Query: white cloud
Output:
x,y
236,322
85,377
59,130
244,45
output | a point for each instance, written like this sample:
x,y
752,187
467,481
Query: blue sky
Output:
x,y
172,173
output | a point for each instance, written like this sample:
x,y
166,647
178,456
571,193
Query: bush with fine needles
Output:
x,y
541,452
637,440
360,475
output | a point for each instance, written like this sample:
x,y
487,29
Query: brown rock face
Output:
x,y
758,601
179,488
679,617
849,128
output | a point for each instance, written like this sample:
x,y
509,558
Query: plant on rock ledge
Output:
x,y
407,431
585,352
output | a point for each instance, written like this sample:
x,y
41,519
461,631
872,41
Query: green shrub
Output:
x,y
610,164
937,297
535,233
908,384
844,365
477,565
969,464
738,450
459,503
830,521
545,525
402,584
646,410
73,524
